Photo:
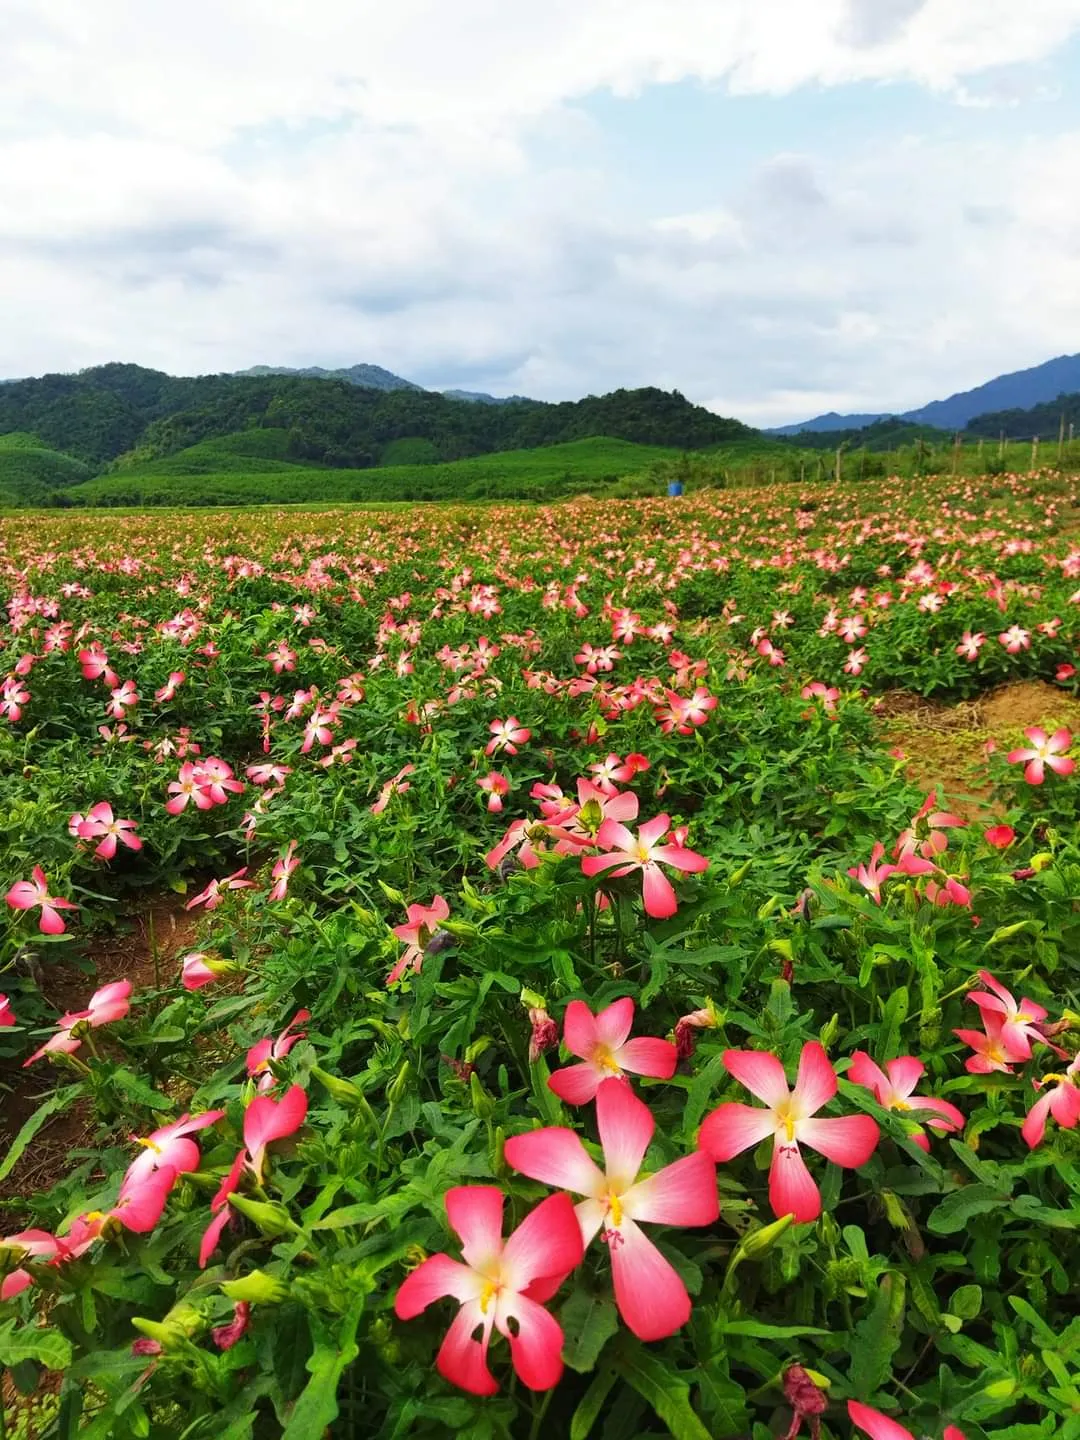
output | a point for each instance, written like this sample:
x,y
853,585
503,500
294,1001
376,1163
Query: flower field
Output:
x,y
503,972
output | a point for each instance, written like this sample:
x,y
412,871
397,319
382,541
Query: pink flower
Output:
x,y
999,836
7,1014
260,1055
893,1087
880,1427
101,824
420,926
992,1050
871,877
284,866
507,735
27,894
141,1201
171,1146
169,689
935,842
267,1120
496,786
499,1286
214,893
1043,752
1064,673
267,774
1061,1100
645,853
1020,1024
848,1141
121,698
970,645
651,1297
197,970
219,1209
601,1042
392,787
544,1035
109,1003
28,1245
856,661
1015,639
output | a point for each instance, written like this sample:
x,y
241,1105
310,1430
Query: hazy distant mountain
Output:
x,y
372,377
1017,391
479,397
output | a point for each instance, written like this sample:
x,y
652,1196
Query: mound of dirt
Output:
x,y
944,746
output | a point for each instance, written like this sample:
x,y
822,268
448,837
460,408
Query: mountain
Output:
x,y
1016,391
372,377
125,417
480,397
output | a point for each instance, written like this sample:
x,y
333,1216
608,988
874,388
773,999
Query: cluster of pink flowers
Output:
x,y
917,853
100,824
206,783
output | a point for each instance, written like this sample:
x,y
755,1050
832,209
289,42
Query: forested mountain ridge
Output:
x,y
127,415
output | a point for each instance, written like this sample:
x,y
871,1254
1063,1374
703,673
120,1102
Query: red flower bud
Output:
x,y
545,1033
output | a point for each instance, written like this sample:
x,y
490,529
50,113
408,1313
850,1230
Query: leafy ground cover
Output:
x,y
523,972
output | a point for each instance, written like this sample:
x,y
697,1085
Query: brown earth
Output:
x,y
144,950
944,745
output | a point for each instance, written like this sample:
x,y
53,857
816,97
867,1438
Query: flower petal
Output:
x,y
436,1277
733,1128
876,1425
658,894
816,1082
760,1072
536,1348
475,1213
612,1024
648,1056
626,1126
651,1297
546,1243
849,1140
556,1156
463,1360
577,1084
792,1189
683,1193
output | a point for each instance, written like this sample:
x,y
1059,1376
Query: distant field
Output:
x,y
29,470
215,473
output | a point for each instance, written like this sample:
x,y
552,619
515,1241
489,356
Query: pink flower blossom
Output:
x,y
650,1295
999,836
109,1003
871,877
420,926
260,1055
171,1146
197,970
1060,1099
1020,1024
284,866
267,1120
992,1049
496,786
892,1089
602,1043
397,786
1042,752
101,824
645,853
1015,639
970,645
7,1013
880,1427
214,893
169,689
848,1141
507,735
499,1286
28,894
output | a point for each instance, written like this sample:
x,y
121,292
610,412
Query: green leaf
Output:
x,y
662,1388
30,1342
757,1330
317,1404
723,1402
588,1323
56,1102
877,1337
954,1212
591,1404
966,1302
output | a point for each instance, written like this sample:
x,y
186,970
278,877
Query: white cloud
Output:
x,y
225,182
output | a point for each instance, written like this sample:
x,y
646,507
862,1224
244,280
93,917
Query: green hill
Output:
x,y
31,471
596,464
128,416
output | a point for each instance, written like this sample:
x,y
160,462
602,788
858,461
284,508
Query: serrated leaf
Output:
x,y
877,1337
31,1342
588,1323
954,1212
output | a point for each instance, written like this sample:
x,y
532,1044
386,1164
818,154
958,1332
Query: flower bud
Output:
x,y
802,1392
183,1322
256,1288
828,1032
399,1085
759,1241
685,1038
226,1336
268,1216
442,939
343,1091
482,1103
545,1033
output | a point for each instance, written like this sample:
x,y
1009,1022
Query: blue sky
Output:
x,y
776,207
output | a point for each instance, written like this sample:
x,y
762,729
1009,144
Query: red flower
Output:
x,y
645,853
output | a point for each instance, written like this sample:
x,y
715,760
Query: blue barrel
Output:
x,y
674,487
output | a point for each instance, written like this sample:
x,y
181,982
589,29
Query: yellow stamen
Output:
x,y
92,1215
487,1296
615,1206
605,1058
643,853
900,1105
140,1140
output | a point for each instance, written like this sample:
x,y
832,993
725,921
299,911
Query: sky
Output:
x,y
777,207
